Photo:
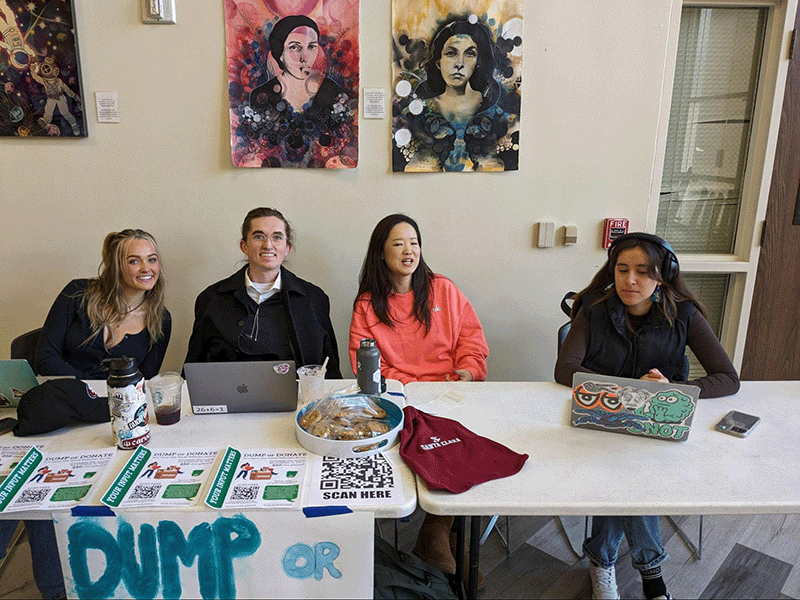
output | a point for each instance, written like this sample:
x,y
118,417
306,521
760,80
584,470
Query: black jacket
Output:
x,y
61,349
222,309
616,350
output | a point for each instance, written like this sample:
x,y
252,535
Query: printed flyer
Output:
x,y
42,481
258,479
161,477
11,455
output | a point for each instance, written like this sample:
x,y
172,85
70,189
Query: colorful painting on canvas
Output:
x,y
457,85
293,82
40,76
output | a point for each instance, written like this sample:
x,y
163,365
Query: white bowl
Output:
x,y
353,448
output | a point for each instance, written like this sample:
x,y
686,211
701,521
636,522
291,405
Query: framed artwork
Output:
x,y
40,75
293,79
457,68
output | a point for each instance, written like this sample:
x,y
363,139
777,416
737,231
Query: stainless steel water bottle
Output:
x,y
127,403
368,367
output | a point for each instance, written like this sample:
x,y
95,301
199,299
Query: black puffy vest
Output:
x,y
616,350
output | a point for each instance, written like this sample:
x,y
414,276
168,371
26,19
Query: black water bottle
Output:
x,y
368,367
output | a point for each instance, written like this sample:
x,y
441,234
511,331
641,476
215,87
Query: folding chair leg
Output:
x,y
503,538
12,545
696,550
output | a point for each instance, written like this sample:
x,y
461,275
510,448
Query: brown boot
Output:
x,y
433,543
465,563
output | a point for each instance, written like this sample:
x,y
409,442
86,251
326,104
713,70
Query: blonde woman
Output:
x,y
119,312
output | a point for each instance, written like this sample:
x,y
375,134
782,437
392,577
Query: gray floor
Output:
x,y
743,557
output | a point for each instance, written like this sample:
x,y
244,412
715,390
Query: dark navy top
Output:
x,y
61,349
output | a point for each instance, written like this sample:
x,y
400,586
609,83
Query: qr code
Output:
x,y
144,491
32,495
244,492
362,473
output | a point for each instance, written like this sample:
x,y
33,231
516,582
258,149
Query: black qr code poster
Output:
x,y
363,480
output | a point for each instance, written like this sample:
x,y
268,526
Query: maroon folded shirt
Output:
x,y
448,456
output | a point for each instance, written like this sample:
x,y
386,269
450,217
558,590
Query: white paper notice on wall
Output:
x,y
107,107
374,103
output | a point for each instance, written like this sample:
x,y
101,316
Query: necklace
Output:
x,y
130,310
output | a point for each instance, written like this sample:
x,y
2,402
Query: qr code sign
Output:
x,y
32,495
144,491
362,473
244,492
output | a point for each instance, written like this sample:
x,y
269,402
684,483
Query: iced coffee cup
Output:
x,y
165,393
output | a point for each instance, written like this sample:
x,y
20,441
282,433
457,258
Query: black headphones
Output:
x,y
669,267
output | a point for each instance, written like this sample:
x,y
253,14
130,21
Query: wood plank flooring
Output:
x,y
749,556
744,556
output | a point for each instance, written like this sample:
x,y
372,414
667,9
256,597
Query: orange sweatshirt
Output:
x,y
455,340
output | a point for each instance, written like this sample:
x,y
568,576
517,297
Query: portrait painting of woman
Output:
x,y
457,95
293,84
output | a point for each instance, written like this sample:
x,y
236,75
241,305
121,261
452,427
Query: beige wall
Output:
x,y
593,81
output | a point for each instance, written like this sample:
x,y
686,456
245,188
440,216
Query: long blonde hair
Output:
x,y
103,299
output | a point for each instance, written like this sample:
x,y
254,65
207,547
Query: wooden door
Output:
x,y
772,347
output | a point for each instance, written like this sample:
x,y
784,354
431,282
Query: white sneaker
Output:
x,y
604,583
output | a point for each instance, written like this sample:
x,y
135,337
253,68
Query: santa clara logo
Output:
x,y
437,442
281,369
90,391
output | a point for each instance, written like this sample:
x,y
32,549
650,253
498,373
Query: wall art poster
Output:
x,y
293,82
40,76
457,85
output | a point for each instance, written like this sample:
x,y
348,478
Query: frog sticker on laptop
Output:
x,y
633,406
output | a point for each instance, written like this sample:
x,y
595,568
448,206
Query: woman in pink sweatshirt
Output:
x,y
425,329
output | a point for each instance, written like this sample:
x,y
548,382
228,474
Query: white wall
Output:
x,y
592,103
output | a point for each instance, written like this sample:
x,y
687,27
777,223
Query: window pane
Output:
x,y
712,291
716,74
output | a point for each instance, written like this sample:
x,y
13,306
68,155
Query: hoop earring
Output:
x,y
656,295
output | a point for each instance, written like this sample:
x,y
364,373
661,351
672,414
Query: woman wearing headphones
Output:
x,y
635,319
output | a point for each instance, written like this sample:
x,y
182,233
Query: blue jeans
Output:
x,y
644,540
44,555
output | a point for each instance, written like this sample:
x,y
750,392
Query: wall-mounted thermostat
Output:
x,y
613,229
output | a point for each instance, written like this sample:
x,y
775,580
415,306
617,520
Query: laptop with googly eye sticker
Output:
x,y
633,406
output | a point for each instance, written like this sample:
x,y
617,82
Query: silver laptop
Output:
x,y
633,406
16,378
232,387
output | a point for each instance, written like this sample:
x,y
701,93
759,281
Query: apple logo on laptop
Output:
x,y
242,389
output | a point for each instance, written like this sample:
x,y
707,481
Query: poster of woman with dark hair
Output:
x,y
293,82
457,79
40,79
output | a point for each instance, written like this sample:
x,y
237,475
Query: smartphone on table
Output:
x,y
737,423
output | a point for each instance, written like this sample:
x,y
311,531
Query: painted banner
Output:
x,y
258,479
161,477
457,85
52,481
293,80
260,554
40,75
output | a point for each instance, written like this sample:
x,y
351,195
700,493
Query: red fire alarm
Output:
x,y
613,229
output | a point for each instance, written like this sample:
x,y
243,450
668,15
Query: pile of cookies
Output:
x,y
354,417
